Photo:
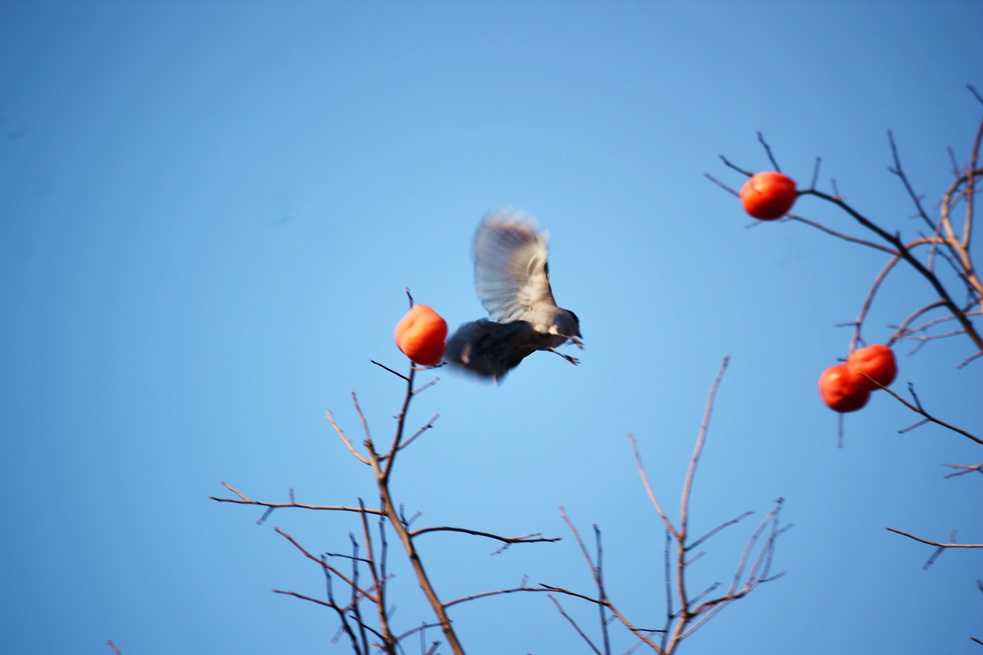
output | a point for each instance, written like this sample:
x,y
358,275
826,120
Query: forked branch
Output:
x,y
685,612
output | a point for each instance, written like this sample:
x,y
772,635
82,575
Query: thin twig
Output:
x,y
737,168
396,373
426,386
721,184
913,261
574,624
868,301
599,582
940,547
963,469
378,578
365,422
523,539
815,173
718,529
840,235
899,171
423,429
386,471
243,500
771,157
698,450
648,487
937,544
917,408
346,440
602,594
903,331
323,564
513,590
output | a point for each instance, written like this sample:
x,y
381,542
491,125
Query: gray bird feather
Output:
x,y
512,281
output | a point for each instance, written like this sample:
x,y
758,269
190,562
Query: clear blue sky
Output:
x,y
209,214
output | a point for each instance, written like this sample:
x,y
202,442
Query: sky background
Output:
x,y
210,212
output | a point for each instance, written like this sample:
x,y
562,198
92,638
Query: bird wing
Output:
x,y
511,276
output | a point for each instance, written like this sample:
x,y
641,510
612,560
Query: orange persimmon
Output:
x,y
838,390
420,334
768,195
877,361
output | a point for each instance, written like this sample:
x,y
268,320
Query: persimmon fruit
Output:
x,y
839,390
768,195
420,334
877,361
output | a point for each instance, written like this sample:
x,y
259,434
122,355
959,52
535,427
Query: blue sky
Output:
x,y
210,211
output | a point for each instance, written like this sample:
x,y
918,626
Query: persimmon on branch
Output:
x,y
942,256
949,240
916,406
363,609
420,335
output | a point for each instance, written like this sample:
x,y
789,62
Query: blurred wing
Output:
x,y
510,271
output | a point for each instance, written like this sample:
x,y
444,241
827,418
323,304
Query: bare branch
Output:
x,y
243,500
598,581
602,594
522,539
721,184
698,450
396,373
962,469
648,487
574,624
973,90
771,157
427,385
365,422
501,592
940,547
903,330
815,173
423,429
309,599
323,564
917,408
729,164
937,544
346,440
384,473
840,235
378,574
899,171
910,258
718,529
868,301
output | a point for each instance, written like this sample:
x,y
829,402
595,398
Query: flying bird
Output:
x,y
512,280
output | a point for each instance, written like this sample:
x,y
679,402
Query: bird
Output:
x,y
512,281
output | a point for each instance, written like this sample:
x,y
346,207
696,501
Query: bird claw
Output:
x,y
577,342
572,360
